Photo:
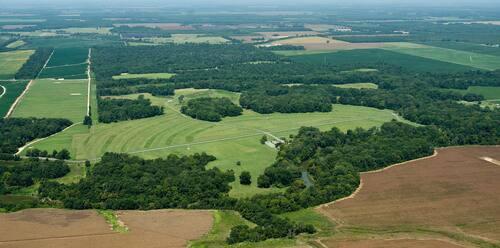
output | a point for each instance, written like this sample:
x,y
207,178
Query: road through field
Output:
x,y
88,84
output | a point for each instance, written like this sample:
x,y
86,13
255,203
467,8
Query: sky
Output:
x,y
422,3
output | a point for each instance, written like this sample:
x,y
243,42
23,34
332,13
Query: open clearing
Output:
x,y
16,44
187,38
12,90
316,43
54,99
231,140
453,195
85,228
480,61
358,86
146,75
11,62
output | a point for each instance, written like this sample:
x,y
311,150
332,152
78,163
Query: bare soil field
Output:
x,y
164,26
457,191
321,43
397,243
44,228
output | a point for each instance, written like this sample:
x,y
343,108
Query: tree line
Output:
x,y
35,63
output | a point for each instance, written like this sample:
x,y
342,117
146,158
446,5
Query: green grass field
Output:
x,y
476,60
146,75
56,99
465,46
78,71
11,62
67,42
231,140
187,38
13,90
358,86
372,57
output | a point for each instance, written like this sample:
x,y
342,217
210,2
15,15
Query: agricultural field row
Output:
x,y
9,92
11,62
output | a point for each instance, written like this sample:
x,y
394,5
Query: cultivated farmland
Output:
x,y
146,75
63,228
231,140
68,63
11,62
413,199
55,98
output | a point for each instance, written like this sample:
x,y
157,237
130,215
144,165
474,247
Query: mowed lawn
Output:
x,y
231,140
55,99
11,62
476,60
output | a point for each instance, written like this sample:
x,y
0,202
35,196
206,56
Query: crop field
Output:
x,y
16,44
56,99
388,243
231,140
69,56
358,86
489,93
371,57
86,228
78,71
413,199
11,62
9,91
67,42
146,75
98,30
476,60
464,46
187,38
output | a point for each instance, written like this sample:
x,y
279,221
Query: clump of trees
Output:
x,y
211,109
113,110
134,183
286,100
35,152
35,63
17,174
245,178
15,132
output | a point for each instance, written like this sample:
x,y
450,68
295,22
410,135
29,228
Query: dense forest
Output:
x,y
35,63
15,132
211,109
113,110
18,174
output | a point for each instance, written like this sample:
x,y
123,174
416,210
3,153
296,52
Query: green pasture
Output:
x,y
489,92
145,75
187,38
11,62
476,60
465,46
13,90
367,58
55,99
47,40
231,140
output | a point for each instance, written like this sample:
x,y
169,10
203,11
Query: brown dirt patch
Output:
x,y
44,228
398,243
321,43
454,191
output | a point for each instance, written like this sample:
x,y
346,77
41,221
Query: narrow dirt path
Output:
x,y
89,80
21,149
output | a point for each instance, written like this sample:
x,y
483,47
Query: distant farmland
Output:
x,y
371,57
414,199
11,62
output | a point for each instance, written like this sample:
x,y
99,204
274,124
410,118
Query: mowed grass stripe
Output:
x,y
11,62
54,99
476,60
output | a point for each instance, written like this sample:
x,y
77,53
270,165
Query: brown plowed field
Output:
x,y
399,243
456,191
54,228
